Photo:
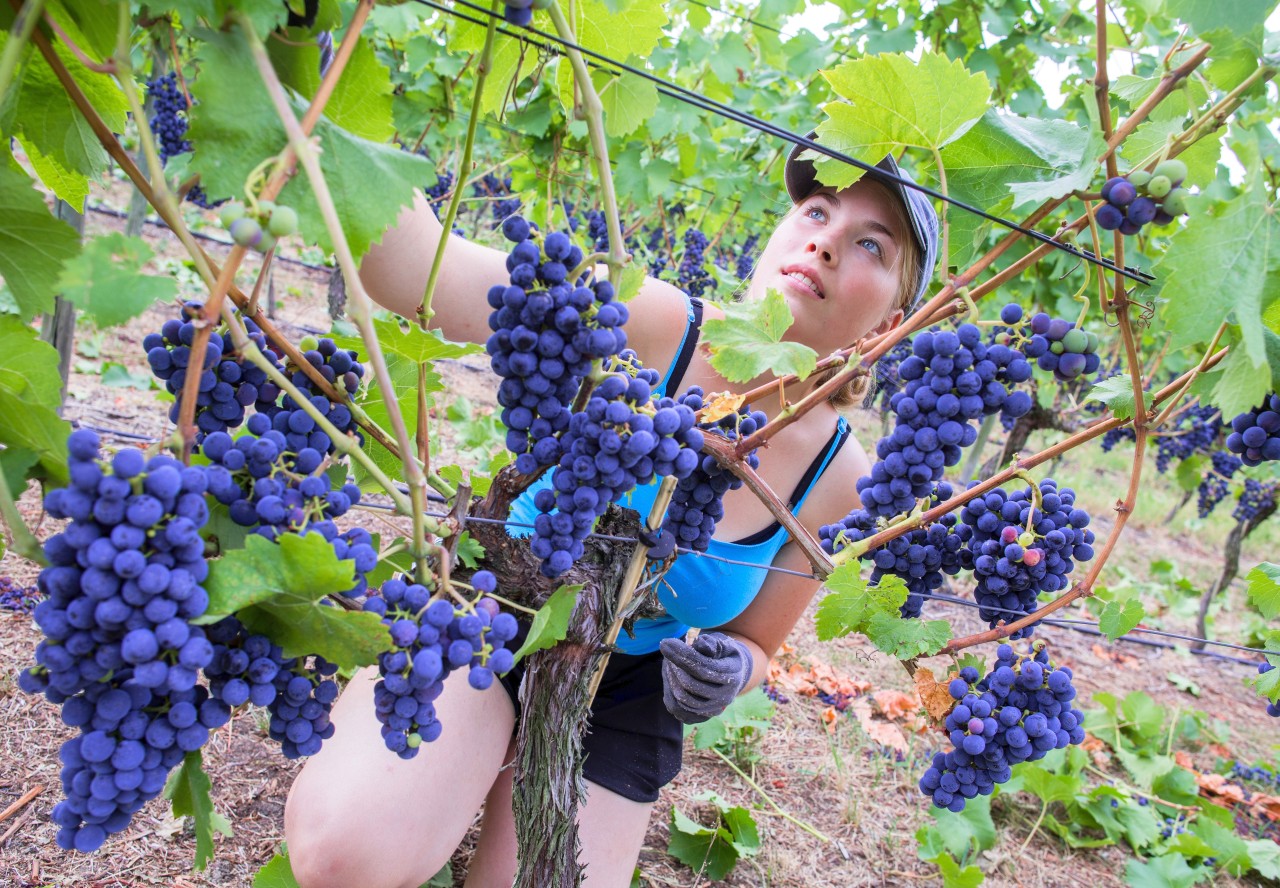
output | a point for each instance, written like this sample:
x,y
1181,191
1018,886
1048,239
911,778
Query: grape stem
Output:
x,y
263,271
630,580
464,165
811,830
359,304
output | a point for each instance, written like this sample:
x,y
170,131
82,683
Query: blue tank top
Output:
x,y
697,591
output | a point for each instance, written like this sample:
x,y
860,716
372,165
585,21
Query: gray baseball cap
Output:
x,y
801,179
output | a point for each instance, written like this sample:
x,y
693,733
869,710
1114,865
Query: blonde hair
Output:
x,y
855,392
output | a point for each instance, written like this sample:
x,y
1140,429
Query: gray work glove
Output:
x,y
699,681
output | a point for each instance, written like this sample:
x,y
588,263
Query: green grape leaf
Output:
x,y
276,589
68,185
361,100
92,26
629,100
1216,269
752,710
1241,16
892,103
119,376
1265,857
45,117
1118,617
33,244
851,603
630,281
1190,471
1264,589
1222,843
551,622
1240,385
1117,393
30,392
968,831
411,342
188,788
1034,160
275,873
903,638
234,129
748,341
103,281
953,876
713,852
1047,786
470,550
1165,871
508,62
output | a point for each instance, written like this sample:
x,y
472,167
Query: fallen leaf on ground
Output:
x,y
882,732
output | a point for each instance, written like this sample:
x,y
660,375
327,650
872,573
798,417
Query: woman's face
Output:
x,y
836,260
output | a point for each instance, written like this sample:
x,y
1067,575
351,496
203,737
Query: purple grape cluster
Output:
x,y
169,124
888,381
745,265
431,639
598,231
342,369
1195,431
697,503
622,439
1142,198
119,652
1217,482
1061,348
546,333
1018,712
228,383
1016,551
493,186
952,378
1255,496
21,599
692,275
1255,435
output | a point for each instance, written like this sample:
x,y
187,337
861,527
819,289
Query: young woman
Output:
x,y
850,263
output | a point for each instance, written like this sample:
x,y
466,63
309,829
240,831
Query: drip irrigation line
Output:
x,y
690,97
119,214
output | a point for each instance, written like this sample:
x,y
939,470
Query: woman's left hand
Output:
x,y
699,681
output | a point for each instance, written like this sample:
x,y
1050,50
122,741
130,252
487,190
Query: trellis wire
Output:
x,y
690,97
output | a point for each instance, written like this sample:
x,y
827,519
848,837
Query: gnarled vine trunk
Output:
x,y
1230,565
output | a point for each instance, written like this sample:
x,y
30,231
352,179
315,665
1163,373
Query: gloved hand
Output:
x,y
699,681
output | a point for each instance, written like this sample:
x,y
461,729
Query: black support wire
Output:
x,y
672,90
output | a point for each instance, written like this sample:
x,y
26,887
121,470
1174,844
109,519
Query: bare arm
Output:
x,y
395,275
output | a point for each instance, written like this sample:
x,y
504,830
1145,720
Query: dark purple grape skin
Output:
x,y
1122,194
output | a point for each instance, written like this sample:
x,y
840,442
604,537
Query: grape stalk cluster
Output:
x,y
1142,198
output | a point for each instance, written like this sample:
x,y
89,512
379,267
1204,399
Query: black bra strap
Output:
x,y
837,440
687,348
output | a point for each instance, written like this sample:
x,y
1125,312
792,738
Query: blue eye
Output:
x,y
875,246
815,208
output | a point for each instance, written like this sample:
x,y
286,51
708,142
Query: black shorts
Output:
x,y
633,745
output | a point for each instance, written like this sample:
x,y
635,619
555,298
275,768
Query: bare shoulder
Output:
x,y
656,323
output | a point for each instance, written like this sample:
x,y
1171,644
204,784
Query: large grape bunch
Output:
x,y
342,369
430,640
119,651
1255,496
298,696
952,378
169,124
1061,348
1142,198
1196,430
1255,434
547,330
1018,712
1017,550
1217,482
623,438
697,503
228,383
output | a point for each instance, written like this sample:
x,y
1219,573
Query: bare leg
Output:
x,y
359,815
611,828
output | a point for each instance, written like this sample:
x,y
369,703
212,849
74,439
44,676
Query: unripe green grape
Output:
x,y
542,4
265,208
230,213
1075,341
1026,538
1175,169
246,231
268,242
284,222
309,343
1057,347
1094,342
1175,202
414,740
1138,178
1159,186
